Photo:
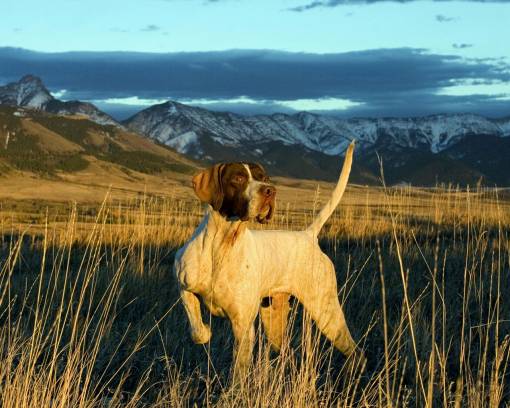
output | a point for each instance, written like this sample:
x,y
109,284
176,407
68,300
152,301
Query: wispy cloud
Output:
x,y
118,30
60,94
129,100
497,89
309,6
335,3
461,46
150,28
202,1
444,19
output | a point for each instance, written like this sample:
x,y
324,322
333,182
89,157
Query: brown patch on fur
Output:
x,y
234,232
208,185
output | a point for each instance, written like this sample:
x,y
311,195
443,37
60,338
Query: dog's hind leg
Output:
x,y
274,312
200,332
320,299
330,320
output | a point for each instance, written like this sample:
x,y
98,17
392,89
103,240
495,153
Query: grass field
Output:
x,y
89,311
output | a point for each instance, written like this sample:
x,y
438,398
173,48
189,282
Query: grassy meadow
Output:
x,y
89,311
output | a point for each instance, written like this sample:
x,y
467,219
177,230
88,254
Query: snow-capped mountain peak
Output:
x,y
322,133
424,150
504,125
30,92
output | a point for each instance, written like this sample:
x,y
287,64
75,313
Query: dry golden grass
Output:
x,y
49,140
89,313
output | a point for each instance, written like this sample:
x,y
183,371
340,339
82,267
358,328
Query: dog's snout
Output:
x,y
269,191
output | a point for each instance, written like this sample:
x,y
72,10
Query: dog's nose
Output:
x,y
269,191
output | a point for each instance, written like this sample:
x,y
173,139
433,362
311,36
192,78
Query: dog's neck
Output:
x,y
226,231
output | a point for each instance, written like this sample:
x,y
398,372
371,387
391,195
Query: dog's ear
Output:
x,y
208,187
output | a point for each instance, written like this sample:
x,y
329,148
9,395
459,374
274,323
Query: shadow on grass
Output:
x,y
145,337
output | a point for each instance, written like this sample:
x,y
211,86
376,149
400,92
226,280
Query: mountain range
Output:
x,y
457,148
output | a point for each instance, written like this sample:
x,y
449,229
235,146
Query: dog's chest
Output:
x,y
232,266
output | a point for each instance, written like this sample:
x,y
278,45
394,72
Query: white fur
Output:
x,y
232,268
251,193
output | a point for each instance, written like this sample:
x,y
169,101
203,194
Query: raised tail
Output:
x,y
336,196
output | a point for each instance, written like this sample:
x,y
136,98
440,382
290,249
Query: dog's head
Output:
x,y
237,190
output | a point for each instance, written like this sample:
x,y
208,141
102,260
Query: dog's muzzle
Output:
x,y
268,193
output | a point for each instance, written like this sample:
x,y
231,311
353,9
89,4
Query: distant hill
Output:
x,y
53,146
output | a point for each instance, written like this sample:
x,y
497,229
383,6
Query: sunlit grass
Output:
x,y
89,312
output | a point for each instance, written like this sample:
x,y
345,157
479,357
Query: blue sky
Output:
x,y
469,33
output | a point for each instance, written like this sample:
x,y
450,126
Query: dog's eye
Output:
x,y
238,179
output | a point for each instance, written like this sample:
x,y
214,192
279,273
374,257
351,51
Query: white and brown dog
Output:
x,y
233,269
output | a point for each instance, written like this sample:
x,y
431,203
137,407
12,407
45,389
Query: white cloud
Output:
x,y
319,104
130,100
498,90
205,101
59,94
297,104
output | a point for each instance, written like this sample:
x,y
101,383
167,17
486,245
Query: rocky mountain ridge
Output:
x,y
30,92
180,126
421,150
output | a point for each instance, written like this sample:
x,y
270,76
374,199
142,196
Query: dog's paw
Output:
x,y
201,336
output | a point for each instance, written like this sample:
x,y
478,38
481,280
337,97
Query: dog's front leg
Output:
x,y
244,334
200,332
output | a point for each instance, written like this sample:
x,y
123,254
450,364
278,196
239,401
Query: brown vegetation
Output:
x,y
89,314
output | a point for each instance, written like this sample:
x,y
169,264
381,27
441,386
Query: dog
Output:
x,y
240,272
